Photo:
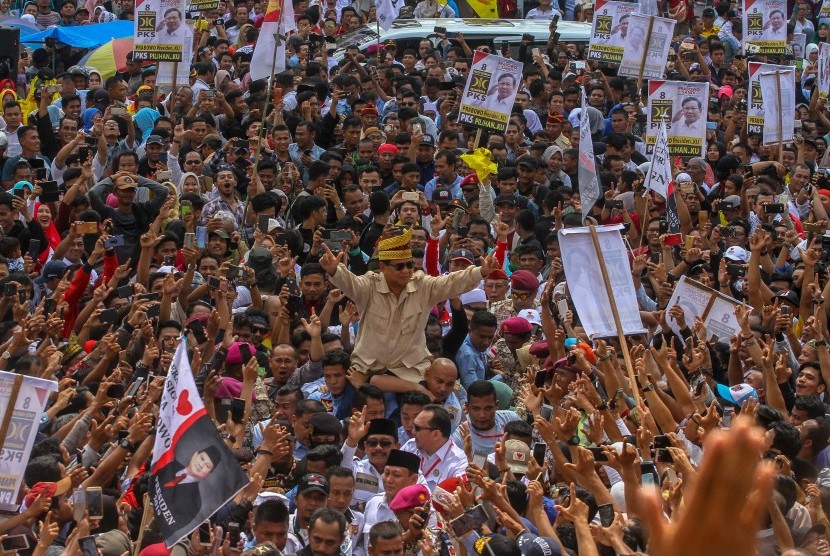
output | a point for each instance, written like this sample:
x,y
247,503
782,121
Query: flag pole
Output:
x,y
615,313
145,517
268,93
173,93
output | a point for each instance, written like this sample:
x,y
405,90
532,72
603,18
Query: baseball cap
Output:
x,y
476,295
737,394
101,97
221,232
463,255
49,489
736,253
531,315
497,545
533,545
428,140
442,195
732,202
506,200
313,481
53,269
682,177
234,356
788,295
154,140
516,454
527,160
709,12
126,182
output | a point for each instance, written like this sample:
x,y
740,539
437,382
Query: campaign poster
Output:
x,y
798,46
756,113
715,309
824,13
587,287
23,428
765,26
589,189
490,92
657,51
161,32
609,32
778,90
684,107
823,70
194,473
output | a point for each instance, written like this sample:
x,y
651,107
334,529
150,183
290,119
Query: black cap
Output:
x,y
325,423
506,200
313,481
407,460
527,160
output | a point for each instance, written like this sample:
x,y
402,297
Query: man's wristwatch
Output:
x,y
6,355
127,445
573,441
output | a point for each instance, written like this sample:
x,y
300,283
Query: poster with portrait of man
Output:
x,y
490,92
778,90
823,77
765,26
798,46
610,31
683,108
161,32
756,112
652,60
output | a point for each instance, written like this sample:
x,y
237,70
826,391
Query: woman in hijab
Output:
x,y
553,156
222,76
189,183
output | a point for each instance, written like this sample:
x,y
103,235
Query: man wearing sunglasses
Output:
x,y
440,457
395,303
380,436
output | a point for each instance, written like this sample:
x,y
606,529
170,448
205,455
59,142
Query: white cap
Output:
x,y
531,315
4,141
264,496
683,177
736,253
474,296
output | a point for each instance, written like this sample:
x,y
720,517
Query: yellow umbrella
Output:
x,y
109,58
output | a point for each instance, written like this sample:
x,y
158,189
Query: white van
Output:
x,y
407,33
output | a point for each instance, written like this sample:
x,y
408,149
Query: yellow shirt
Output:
x,y
391,333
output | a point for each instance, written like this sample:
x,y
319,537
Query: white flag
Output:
x,y
589,192
388,11
659,172
278,20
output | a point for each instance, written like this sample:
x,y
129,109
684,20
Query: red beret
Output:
x,y
469,179
524,280
410,497
516,325
497,274
540,349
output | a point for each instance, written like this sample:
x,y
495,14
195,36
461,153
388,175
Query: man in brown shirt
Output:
x,y
394,305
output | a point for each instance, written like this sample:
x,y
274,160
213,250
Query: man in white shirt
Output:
x,y
401,471
379,438
544,11
687,121
440,457
174,30
500,97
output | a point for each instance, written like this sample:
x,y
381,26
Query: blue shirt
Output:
x,y
471,363
295,152
455,188
484,442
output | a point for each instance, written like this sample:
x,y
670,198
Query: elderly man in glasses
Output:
x,y
394,304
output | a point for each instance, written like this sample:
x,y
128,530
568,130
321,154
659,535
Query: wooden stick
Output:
x,y
617,323
478,139
173,93
7,415
644,221
145,517
645,54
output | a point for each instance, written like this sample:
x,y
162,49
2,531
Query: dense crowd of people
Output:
x,y
373,302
